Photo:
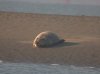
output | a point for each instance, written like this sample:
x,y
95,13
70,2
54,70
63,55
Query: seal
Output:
x,y
47,39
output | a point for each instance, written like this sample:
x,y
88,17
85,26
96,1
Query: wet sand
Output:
x,y
82,35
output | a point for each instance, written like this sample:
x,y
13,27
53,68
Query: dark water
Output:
x,y
25,68
71,9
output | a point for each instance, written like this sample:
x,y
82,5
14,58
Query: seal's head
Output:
x,y
46,39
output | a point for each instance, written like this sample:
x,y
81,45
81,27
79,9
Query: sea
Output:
x,y
58,9
31,68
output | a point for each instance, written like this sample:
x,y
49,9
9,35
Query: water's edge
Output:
x,y
25,68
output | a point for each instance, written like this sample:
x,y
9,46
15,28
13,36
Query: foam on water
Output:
x,y
1,61
25,68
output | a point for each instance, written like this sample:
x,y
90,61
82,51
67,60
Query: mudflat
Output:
x,y
82,35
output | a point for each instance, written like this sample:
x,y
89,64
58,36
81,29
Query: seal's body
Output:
x,y
46,39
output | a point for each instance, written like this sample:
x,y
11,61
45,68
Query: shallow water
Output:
x,y
61,9
25,68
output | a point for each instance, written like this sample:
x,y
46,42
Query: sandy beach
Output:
x,y
82,35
